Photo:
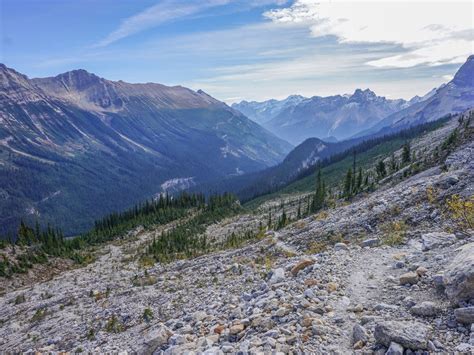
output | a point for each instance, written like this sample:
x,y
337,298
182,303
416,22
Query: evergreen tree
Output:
x,y
359,180
406,154
348,184
380,169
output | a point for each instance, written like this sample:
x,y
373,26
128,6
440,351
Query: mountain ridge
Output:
x,y
114,135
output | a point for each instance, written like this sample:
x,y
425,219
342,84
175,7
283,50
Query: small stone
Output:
x,y
394,349
373,242
359,345
427,309
332,286
310,282
219,329
277,276
359,334
421,271
409,278
438,280
236,329
303,264
358,308
465,315
281,312
341,246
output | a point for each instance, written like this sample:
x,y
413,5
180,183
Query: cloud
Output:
x,y
431,33
156,15
171,10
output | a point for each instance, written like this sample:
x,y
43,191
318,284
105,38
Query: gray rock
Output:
x,y
359,333
394,349
341,246
435,240
373,242
438,280
156,338
459,275
464,315
426,309
413,335
277,276
409,278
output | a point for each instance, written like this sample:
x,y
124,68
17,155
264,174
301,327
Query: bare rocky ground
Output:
x,y
387,273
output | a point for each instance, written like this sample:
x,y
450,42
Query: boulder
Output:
x,y
459,275
303,264
412,335
156,338
465,315
435,240
426,309
409,278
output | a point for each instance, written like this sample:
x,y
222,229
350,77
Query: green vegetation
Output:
x,y
36,245
187,239
114,325
147,315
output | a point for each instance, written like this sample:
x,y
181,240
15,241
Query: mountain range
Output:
x,y
340,117
453,97
76,146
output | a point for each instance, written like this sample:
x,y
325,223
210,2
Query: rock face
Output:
x,y
412,335
459,275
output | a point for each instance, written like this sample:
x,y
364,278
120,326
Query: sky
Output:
x,y
244,49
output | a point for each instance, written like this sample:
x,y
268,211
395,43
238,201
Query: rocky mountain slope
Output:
x,y
296,118
265,111
454,97
389,270
67,138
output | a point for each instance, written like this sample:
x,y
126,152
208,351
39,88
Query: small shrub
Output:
x,y
114,325
39,315
316,247
147,315
394,233
461,211
20,299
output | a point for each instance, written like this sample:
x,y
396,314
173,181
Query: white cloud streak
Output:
x,y
156,15
431,33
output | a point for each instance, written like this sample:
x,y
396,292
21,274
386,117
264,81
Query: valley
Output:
x,y
379,269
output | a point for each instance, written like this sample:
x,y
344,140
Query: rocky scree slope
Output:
x,y
388,272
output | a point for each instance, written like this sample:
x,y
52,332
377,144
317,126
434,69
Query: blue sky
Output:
x,y
236,49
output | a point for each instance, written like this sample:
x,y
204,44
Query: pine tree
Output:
x,y
359,180
406,155
380,169
348,184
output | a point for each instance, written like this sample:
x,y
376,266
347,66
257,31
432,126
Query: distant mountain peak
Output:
x,y
464,76
363,94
